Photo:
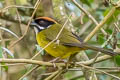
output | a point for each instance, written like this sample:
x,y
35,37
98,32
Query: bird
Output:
x,y
67,43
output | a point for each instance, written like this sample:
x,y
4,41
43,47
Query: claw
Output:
x,y
53,61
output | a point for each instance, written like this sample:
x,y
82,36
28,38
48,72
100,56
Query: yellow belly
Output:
x,y
55,49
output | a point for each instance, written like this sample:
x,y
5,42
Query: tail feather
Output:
x,y
85,46
106,51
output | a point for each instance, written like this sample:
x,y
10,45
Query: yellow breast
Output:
x,y
54,49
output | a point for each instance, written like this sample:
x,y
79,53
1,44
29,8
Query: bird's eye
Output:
x,y
41,22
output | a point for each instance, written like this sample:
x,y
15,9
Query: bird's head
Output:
x,y
42,23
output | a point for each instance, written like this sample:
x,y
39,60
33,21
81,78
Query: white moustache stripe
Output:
x,y
41,27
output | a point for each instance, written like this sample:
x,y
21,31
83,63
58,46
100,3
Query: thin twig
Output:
x,y
57,75
36,7
16,6
54,74
100,71
81,75
99,59
14,43
29,72
89,15
15,64
100,24
29,61
103,45
117,27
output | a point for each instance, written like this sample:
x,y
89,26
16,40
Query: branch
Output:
x,y
100,24
99,59
29,61
42,63
89,15
13,18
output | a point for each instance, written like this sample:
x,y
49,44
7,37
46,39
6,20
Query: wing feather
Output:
x,y
66,37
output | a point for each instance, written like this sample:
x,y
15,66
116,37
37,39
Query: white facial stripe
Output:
x,y
41,27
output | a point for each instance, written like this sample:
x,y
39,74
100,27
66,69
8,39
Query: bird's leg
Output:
x,y
67,63
70,61
54,60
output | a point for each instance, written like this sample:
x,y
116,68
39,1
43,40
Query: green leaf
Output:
x,y
87,2
109,31
112,18
7,43
100,39
4,66
1,56
117,59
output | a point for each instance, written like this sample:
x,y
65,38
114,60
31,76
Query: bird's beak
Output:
x,y
33,24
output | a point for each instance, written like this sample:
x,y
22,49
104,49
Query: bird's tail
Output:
x,y
106,51
85,46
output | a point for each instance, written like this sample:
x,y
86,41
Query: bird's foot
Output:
x,y
54,61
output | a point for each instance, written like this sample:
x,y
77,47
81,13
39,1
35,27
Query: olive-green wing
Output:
x,y
65,37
